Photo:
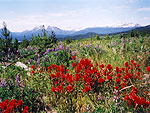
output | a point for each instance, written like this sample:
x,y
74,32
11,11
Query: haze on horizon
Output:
x,y
21,15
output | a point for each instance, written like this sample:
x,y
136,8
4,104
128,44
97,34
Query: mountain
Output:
x,y
144,29
84,33
129,25
38,30
108,30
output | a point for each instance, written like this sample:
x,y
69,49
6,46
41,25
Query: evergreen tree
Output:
x,y
2,46
15,45
8,40
97,37
132,33
24,42
53,38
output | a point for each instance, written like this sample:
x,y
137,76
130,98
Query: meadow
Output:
x,y
98,74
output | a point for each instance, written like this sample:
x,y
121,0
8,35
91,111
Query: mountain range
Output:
x,y
60,33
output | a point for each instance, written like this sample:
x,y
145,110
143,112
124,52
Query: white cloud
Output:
x,y
146,18
144,9
131,1
121,7
57,14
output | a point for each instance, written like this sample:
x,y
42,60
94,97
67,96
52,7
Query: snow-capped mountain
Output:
x,y
60,33
108,29
129,25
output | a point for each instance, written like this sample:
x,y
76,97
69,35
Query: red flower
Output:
x,y
116,87
59,88
86,88
53,89
117,69
109,77
109,67
77,77
117,80
56,82
73,57
126,64
32,72
25,109
33,66
148,68
101,66
73,64
3,105
132,61
138,65
101,80
43,68
7,101
52,75
126,97
118,75
20,102
142,101
69,88
138,73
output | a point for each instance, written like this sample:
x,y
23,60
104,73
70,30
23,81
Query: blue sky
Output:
x,y
21,15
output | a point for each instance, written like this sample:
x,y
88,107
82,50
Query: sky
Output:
x,y
21,15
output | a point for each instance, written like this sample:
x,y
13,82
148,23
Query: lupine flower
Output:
x,y
47,50
67,48
56,53
38,61
3,83
17,81
100,98
117,104
97,46
47,57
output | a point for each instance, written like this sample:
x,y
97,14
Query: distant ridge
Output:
x,y
84,33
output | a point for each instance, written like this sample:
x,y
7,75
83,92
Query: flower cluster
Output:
x,y
87,77
8,106
135,101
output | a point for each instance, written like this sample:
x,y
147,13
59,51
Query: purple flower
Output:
x,y
38,61
47,51
22,85
17,81
67,48
114,97
43,59
100,98
47,57
3,83
97,46
61,46
56,53
122,40
116,92
117,104
38,55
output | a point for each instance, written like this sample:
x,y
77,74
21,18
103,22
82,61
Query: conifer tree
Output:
x,y
24,42
15,45
8,40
